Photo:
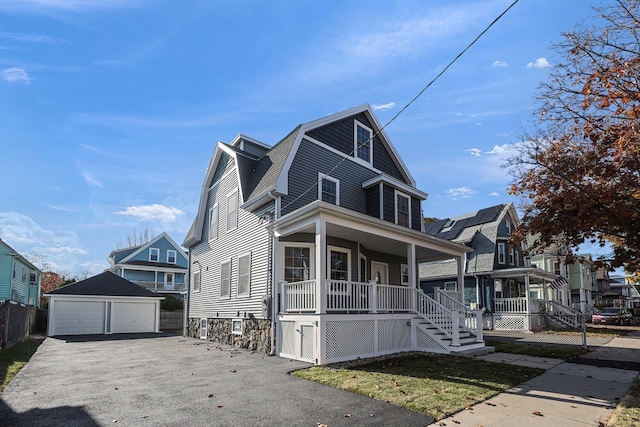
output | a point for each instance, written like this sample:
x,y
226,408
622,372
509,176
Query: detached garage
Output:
x,y
103,304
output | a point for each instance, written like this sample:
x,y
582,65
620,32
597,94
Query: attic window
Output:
x,y
362,142
154,254
449,223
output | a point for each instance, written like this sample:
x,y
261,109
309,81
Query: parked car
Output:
x,y
612,315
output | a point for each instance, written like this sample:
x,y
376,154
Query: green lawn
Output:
x,y
14,359
434,385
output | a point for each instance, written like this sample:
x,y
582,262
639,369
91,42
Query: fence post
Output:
x,y
374,295
584,331
479,337
455,325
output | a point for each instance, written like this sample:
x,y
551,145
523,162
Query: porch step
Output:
x,y
474,351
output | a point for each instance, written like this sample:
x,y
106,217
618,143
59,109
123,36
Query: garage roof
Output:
x,y
105,284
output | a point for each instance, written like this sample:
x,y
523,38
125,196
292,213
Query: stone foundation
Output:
x,y
256,333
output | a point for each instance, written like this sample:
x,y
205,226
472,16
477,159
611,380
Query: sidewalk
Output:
x,y
581,392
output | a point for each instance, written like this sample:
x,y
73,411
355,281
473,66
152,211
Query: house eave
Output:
x,y
395,183
536,273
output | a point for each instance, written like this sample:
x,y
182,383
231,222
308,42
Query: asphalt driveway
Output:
x,y
165,380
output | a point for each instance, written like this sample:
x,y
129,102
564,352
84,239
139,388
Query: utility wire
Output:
x,y
415,98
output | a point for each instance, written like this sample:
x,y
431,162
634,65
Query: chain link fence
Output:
x,y
541,329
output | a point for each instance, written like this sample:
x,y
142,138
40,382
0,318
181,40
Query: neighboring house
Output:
x,y
621,294
309,249
582,292
497,277
159,265
102,304
19,279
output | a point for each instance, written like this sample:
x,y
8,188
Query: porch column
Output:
x,y
413,283
461,260
321,266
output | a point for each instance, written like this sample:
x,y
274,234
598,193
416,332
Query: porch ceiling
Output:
x,y
536,275
374,242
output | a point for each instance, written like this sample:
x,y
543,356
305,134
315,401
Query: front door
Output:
x,y
380,272
168,281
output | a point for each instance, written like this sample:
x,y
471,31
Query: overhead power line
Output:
x,y
414,99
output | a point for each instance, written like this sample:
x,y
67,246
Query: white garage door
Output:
x,y
133,317
78,317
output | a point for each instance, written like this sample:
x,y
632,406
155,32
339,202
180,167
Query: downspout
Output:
x,y
185,317
271,286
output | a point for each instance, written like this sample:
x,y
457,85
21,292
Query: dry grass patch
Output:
x,y
627,413
14,359
433,385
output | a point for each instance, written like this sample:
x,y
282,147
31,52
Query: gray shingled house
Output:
x,y
497,277
310,249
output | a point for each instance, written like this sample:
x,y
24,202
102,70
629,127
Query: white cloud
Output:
x,y
499,64
30,38
91,180
474,152
59,249
153,212
460,193
15,74
540,63
45,6
386,106
494,194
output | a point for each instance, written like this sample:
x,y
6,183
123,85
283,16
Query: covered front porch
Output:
x,y
527,299
346,287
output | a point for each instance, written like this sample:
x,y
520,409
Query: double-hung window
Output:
x,y
171,256
403,209
244,274
339,264
225,279
196,281
328,189
213,222
297,263
232,211
501,253
363,144
154,254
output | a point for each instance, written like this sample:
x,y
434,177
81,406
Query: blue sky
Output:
x,y
110,110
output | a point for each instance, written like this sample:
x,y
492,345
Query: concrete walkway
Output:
x,y
581,392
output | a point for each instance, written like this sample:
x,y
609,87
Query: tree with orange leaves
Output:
x,y
577,170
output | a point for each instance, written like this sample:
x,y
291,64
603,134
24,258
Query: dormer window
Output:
x,y
363,146
449,223
403,209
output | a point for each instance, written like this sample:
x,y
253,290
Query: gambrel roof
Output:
x,y
261,178
478,230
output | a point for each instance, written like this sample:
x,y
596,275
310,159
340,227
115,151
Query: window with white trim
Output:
x,y
171,256
297,263
339,261
403,209
511,258
225,279
154,254
196,281
404,274
244,274
451,286
232,211
213,222
236,326
328,189
363,144
203,328
501,253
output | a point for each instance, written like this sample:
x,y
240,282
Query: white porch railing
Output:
x,y
161,286
471,319
510,305
343,296
565,314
